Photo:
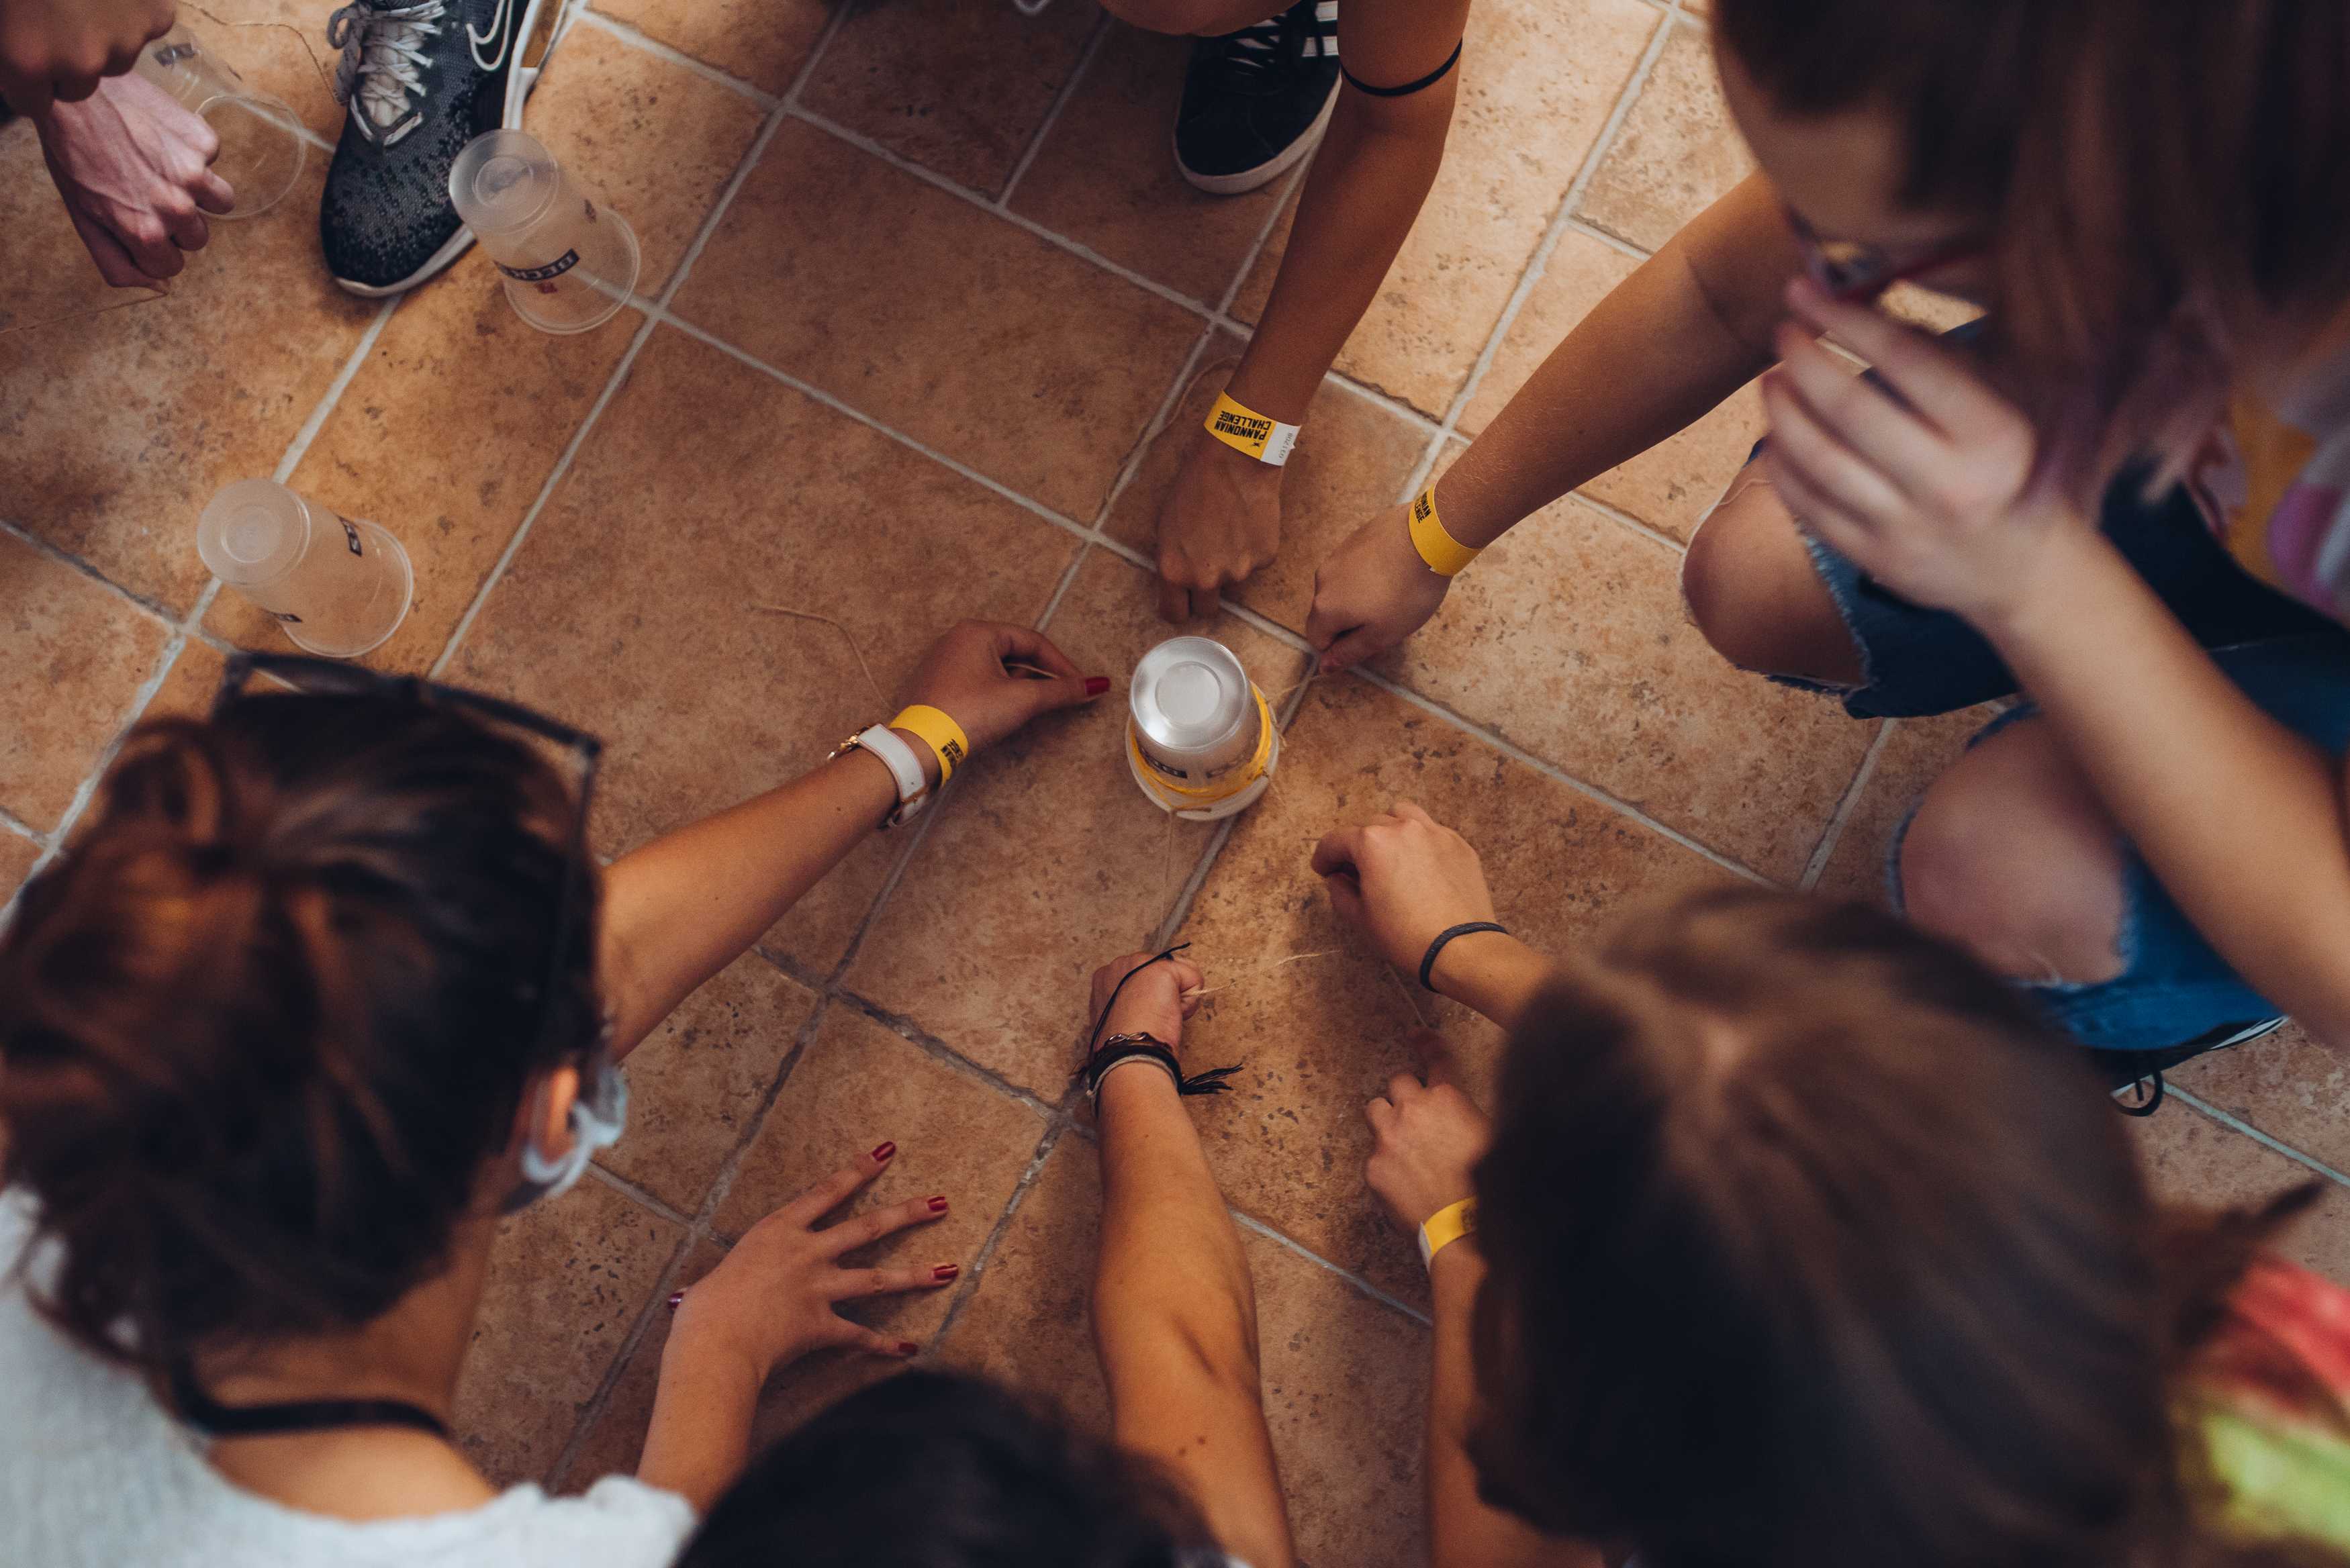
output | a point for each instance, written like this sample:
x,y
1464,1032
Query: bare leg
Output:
x,y
1753,591
2011,855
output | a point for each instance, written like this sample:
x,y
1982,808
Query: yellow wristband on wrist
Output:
x,y
941,732
1244,430
1445,1227
1444,553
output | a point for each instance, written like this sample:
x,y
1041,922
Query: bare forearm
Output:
x,y
1365,189
1689,327
2240,818
700,1433
681,907
1492,973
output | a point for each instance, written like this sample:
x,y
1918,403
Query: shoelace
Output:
x,y
1256,58
383,54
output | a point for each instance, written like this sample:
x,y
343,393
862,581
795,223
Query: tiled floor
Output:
x,y
919,284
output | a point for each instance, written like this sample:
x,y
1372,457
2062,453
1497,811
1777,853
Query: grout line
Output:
x,y
985,1254
138,601
2238,1124
622,1185
1169,407
1540,260
1591,231
1264,236
18,825
1053,111
1061,589
1247,1223
1846,805
833,26
907,1029
299,447
652,45
1622,518
1551,771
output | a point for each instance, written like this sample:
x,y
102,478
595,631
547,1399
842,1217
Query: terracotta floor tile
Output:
x,y
271,58
457,374
614,1444
1319,1038
1569,638
939,318
1537,84
1914,756
1030,1317
18,854
1352,462
959,88
629,610
117,429
1668,486
72,658
650,138
698,1081
2287,1085
1346,1394
1106,176
190,685
1048,860
565,1284
859,1085
2192,1159
763,42
1676,153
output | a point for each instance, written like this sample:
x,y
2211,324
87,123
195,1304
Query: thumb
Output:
x,y
1064,691
1323,622
1357,644
1346,898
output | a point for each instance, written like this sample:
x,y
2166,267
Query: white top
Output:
x,y
93,1471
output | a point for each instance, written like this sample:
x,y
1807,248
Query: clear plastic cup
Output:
x,y
569,263
261,142
1200,740
338,585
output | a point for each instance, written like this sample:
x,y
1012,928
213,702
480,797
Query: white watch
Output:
x,y
913,784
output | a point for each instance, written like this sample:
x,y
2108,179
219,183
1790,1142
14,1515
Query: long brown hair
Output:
x,y
262,1023
2164,179
1811,1243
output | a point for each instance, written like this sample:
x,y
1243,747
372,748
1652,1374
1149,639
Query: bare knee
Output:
x,y
1753,592
2011,855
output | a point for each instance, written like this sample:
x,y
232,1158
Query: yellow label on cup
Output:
x,y
1244,430
942,734
1444,553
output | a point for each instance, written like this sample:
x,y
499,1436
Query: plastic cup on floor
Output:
x,y
262,141
569,263
339,585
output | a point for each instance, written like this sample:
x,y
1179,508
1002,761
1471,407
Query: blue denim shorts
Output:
x,y
2288,660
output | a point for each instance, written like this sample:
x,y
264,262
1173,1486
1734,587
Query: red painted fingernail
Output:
x,y
1097,684
884,1152
675,1297
908,1347
945,1271
938,1204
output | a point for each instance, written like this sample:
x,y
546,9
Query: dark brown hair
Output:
x,y
262,1023
2163,179
1812,1244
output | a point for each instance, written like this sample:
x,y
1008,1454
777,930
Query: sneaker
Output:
x,y
1256,101
2138,1073
418,80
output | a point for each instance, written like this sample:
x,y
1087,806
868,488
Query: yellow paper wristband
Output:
x,y
1444,553
1445,1227
1244,430
944,735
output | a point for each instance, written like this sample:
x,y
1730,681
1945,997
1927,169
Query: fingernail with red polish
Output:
x,y
884,1152
675,1297
908,1347
945,1271
1097,684
938,1204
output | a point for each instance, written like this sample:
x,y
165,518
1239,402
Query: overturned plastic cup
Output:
x,y
339,586
569,265
262,141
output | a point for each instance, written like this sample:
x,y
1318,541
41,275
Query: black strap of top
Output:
x,y
1429,80
214,1419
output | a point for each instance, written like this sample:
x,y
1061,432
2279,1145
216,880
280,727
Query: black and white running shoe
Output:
x,y
1256,101
2137,1075
419,80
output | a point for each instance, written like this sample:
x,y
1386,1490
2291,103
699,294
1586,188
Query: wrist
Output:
x,y
2076,559
923,754
713,1357
1461,958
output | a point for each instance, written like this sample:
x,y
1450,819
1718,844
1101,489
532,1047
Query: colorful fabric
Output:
x,y
2271,1403
2278,479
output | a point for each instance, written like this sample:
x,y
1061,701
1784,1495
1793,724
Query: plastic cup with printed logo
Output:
x,y
339,585
569,262
262,141
1200,739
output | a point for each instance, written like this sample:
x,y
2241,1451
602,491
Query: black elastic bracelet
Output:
x,y
1127,1047
1427,964
1429,80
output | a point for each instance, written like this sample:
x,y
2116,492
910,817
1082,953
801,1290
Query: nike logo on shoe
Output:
x,y
499,34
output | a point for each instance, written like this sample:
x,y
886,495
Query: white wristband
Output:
x,y
913,784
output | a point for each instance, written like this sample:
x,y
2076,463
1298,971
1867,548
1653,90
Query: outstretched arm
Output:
x,y
687,904
1174,1308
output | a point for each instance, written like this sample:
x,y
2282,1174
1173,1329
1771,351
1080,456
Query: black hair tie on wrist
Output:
x,y
1427,964
1101,1054
1429,80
